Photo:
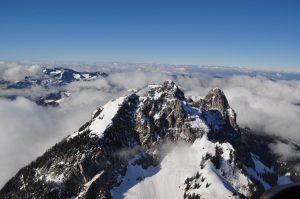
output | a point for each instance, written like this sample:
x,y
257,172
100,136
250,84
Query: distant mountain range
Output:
x,y
56,78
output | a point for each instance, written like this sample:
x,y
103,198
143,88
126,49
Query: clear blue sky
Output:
x,y
253,33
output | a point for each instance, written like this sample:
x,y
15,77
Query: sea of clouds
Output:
x,y
263,103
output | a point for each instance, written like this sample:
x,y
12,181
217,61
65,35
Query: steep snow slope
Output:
x,y
102,117
169,179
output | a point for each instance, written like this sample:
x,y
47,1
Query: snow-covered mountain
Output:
x,y
157,143
51,79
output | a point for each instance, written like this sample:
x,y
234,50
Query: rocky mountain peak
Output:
x,y
216,99
169,84
168,89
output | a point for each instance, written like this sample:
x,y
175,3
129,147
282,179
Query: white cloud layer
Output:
x,y
15,72
285,151
27,130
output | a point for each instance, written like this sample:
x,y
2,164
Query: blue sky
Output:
x,y
259,34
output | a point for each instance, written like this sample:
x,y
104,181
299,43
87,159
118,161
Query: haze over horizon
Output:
x,y
253,34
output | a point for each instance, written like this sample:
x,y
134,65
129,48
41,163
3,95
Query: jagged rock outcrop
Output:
x,y
127,134
216,100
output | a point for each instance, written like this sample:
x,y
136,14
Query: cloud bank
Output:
x,y
15,72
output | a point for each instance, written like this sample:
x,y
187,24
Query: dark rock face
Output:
x,y
50,99
230,117
88,165
216,99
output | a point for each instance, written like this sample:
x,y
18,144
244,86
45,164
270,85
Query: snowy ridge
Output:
x,y
88,184
104,120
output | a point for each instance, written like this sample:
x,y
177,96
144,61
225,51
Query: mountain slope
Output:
x,y
156,143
